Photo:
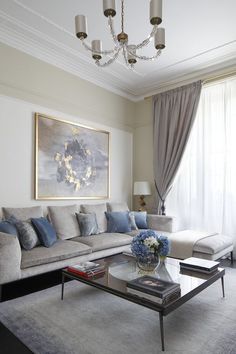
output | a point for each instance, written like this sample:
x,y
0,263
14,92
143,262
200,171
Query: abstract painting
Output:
x,y
71,160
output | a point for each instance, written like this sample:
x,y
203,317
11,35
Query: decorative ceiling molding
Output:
x,y
63,53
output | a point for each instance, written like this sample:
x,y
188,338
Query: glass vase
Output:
x,y
148,263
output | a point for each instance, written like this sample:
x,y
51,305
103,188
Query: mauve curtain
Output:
x,y
174,112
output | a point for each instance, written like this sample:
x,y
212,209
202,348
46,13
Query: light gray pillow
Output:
x,y
27,236
99,210
132,221
87,224
23,213
64,221
122,206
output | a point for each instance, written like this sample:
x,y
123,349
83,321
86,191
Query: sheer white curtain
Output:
x,y
204,193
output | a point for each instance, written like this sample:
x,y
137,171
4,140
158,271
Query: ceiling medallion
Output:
x,y
121,43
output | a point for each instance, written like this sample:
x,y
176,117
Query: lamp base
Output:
x,y
142,203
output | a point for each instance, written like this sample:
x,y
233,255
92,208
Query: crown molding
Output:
x,y
24,38
133,86
203,74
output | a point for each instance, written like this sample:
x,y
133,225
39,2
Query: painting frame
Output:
x,y
102,178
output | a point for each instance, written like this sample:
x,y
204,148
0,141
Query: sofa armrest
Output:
x,y
10,258
162,223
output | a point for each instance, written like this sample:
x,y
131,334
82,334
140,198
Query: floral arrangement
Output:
x,y
148,243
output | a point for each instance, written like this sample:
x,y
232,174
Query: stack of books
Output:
x,y
159,291
199,265
89,270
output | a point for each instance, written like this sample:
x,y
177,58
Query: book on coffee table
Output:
x,y
154,289
87,269
199,265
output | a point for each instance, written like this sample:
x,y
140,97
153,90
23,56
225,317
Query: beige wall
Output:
x,y
25,77
143,148
28,85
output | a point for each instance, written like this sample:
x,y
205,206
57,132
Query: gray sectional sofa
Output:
x,y
70,248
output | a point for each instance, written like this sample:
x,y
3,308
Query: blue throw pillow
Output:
x,y
8,228
46,233
141,219
118,221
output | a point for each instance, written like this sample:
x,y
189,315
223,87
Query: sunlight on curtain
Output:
x,y
204,193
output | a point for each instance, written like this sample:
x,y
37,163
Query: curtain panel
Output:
x,y
174,113
204,192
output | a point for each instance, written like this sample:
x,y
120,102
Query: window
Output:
x,y
204,193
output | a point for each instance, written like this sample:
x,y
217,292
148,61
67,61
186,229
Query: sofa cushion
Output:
x,y
87,224
133,233
118,221
45,231
122,206
141,219
99,210
59,251
23,213
10,258
64,220
104,241
27,235
8,228
212,244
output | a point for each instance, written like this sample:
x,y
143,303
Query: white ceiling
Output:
x,y
200,38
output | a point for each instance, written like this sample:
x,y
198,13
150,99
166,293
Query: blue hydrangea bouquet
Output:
x,y
148,247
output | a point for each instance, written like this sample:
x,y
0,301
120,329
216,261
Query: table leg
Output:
x,y
223,287
62,286
232,258
162,331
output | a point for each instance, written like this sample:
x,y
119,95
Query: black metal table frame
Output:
x,y
163,310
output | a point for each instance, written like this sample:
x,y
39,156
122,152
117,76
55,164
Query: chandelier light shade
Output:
x,y
130,51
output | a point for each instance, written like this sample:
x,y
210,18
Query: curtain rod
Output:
x,y
219,77
206,81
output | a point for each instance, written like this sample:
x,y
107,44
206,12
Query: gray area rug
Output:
x,y
90,321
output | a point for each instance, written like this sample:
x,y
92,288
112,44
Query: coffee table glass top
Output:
x,y
122,268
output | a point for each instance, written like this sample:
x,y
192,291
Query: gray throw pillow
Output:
x,y
27,235
99,210
87,224
132,221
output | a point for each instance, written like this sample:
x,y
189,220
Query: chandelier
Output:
x,y
121,43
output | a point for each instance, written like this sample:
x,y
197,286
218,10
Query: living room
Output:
x,y
46,70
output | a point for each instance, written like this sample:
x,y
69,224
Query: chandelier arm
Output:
x,y
143,57
110,61
146,41
124,50
112,31
103,52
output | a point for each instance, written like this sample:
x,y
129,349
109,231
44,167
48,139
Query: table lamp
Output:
x,y
142,188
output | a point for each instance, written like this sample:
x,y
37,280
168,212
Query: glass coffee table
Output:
x,y
122,268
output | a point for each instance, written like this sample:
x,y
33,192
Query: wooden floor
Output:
x,y
9,344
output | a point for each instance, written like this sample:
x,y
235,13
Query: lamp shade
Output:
x,y
142,188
